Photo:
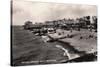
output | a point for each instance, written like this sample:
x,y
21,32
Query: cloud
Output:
x,y
40,12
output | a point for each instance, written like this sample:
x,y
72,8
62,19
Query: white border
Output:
x,y
5,33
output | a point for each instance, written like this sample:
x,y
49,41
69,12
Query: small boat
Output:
x,y
45,38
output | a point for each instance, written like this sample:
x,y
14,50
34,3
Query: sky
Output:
x,y
41,11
